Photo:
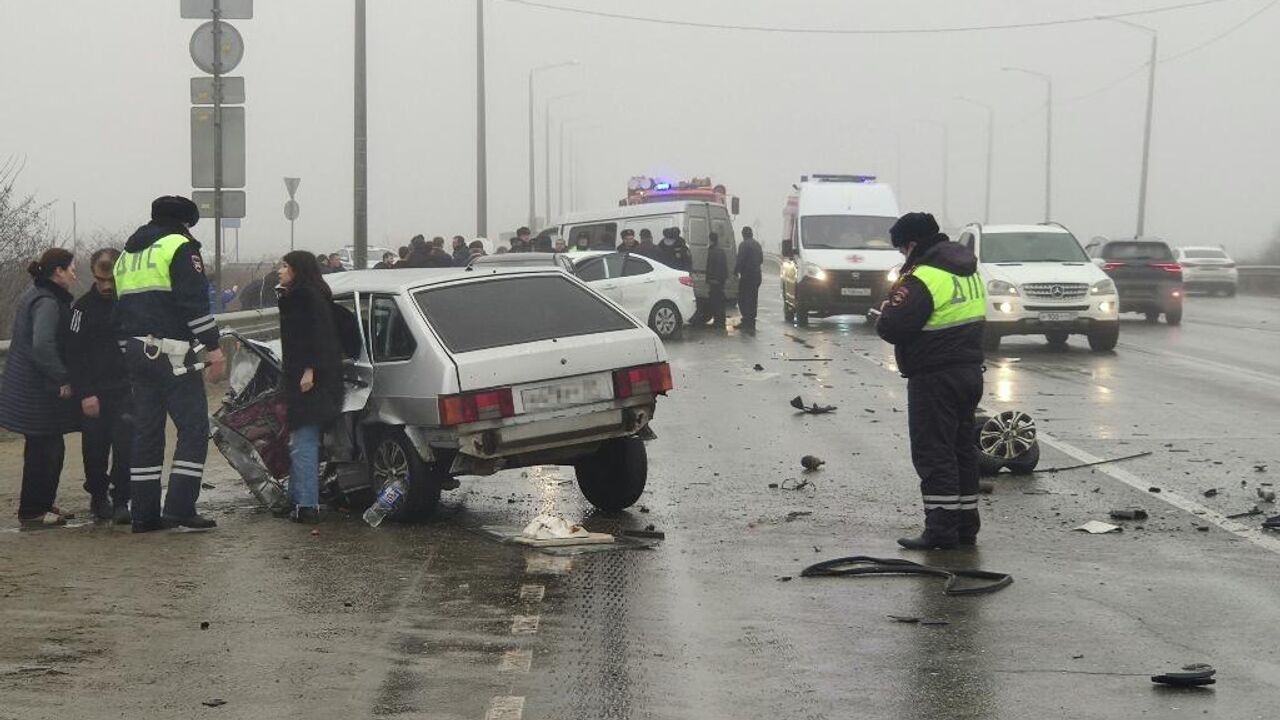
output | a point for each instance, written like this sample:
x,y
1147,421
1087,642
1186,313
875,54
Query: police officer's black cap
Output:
x,y
628,233
916,227
748,232
174,208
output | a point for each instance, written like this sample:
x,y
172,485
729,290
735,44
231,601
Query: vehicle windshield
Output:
x,y
846,232
1137,250
516,310
529,258
1206,254
1031,247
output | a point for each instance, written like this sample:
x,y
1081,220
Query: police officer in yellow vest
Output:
x,y
163,323
934,318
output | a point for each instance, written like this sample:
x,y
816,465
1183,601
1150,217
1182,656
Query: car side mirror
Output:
x,y
788,249
733,205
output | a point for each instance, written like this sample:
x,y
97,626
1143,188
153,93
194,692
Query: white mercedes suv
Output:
x,y
1040,281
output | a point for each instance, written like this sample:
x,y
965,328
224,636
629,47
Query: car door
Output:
x,y
357,373
639,286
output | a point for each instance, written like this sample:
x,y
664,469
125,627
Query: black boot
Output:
x,y
100,507
120,513
941,531
195,523
926,541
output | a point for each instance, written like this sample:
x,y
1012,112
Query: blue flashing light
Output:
x,y
662,186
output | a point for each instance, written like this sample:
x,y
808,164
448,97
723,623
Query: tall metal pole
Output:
x,y
991,144
1048,136
482,161
217,155
360,234
533,201
546,154
560,176
1146,138
573,171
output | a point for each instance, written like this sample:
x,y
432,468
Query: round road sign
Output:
x,y
291,210
202,47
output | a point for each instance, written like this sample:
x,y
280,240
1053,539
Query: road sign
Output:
x,y
231,223
291,186
233,174
230,9
233,203
202,90
202,47
291,210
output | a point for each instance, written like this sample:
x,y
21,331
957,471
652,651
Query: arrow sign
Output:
x,y
291,185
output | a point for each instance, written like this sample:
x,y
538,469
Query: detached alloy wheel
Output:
x,y
394,458
613,478
665,320
1007,440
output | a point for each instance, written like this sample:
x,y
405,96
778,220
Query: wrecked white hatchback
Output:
x,y
462,372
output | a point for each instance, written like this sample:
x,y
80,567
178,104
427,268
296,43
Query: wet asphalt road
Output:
x,y
443,621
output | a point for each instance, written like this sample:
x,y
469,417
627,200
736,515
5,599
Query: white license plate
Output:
x,y
579,391
1058,316
855,292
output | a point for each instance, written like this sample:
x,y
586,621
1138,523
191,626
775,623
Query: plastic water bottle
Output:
x,y
388,500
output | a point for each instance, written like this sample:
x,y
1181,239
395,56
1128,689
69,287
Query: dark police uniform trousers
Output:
x,y
940,417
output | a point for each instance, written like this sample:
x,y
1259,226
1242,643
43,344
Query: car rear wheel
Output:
x,y
393,458
1057,338
613,478
665,320
1174,316
1103,338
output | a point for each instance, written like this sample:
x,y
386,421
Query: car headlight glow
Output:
x,y
815,272
1103,287
1002,287
1005,307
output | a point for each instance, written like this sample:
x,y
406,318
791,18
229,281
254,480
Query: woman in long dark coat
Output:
x,y
36,398
313,388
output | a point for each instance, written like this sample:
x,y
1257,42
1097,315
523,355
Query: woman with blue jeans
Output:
x,y
313,389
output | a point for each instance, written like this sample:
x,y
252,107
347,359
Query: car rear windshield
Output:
x,y
1137,250
1030,247
515,310
1206,254
846,232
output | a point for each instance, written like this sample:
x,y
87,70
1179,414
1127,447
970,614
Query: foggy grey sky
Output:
x,y
95,98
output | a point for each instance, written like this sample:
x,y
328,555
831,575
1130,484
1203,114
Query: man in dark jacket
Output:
x,y
934,318
162,320
461,254
673,251
747,268
717,276
646,247
419,253
439,257
101,382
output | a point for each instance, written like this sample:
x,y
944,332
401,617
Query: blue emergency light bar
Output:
x,y
662,186
840,178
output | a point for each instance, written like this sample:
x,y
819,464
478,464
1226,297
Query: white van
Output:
x,y
696,220
836,251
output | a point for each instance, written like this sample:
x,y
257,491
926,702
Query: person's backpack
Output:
x,y
344,321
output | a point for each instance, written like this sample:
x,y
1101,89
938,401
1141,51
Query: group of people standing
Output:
x,y
129,353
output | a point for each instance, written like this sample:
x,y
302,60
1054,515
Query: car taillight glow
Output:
x,y
642,380
1112,265
476,406
1171,267
686,280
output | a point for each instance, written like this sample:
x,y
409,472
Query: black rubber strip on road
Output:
x,y
865,565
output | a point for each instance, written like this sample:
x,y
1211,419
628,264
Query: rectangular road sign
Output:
x,y
233,203
231,9
202,90
232,147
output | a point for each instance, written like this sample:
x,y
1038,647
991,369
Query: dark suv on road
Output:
x,y
1147,276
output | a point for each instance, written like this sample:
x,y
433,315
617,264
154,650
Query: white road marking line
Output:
x,y
516,661
505,707
532,593
524,624
1202,364
1253,535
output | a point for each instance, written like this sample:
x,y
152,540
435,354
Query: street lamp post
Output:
x,y
946,162
991,143
546,149
1048,137
532,193
1146,131
482,129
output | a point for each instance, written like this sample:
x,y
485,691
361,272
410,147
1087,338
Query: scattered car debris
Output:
x,y
1255,510
758,367
1097,527
204,625
904,618
785,578
812,462
796,515
797,484
648,534
1211,492
773,486
813,359
857,565
1267,492
216,702
797,402
207,486
1260,468
1191,676
549,530
1129,514
1272,523
1108,461
1153,489
1202,528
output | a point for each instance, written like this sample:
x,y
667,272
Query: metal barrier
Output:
x,y
1260,279
256,324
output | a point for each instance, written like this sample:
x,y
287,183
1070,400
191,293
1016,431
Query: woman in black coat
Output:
x,y
313,388
36,398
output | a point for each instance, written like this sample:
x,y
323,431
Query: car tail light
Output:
x,y
1112,265
476,406
1170,267
686,280
643,380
